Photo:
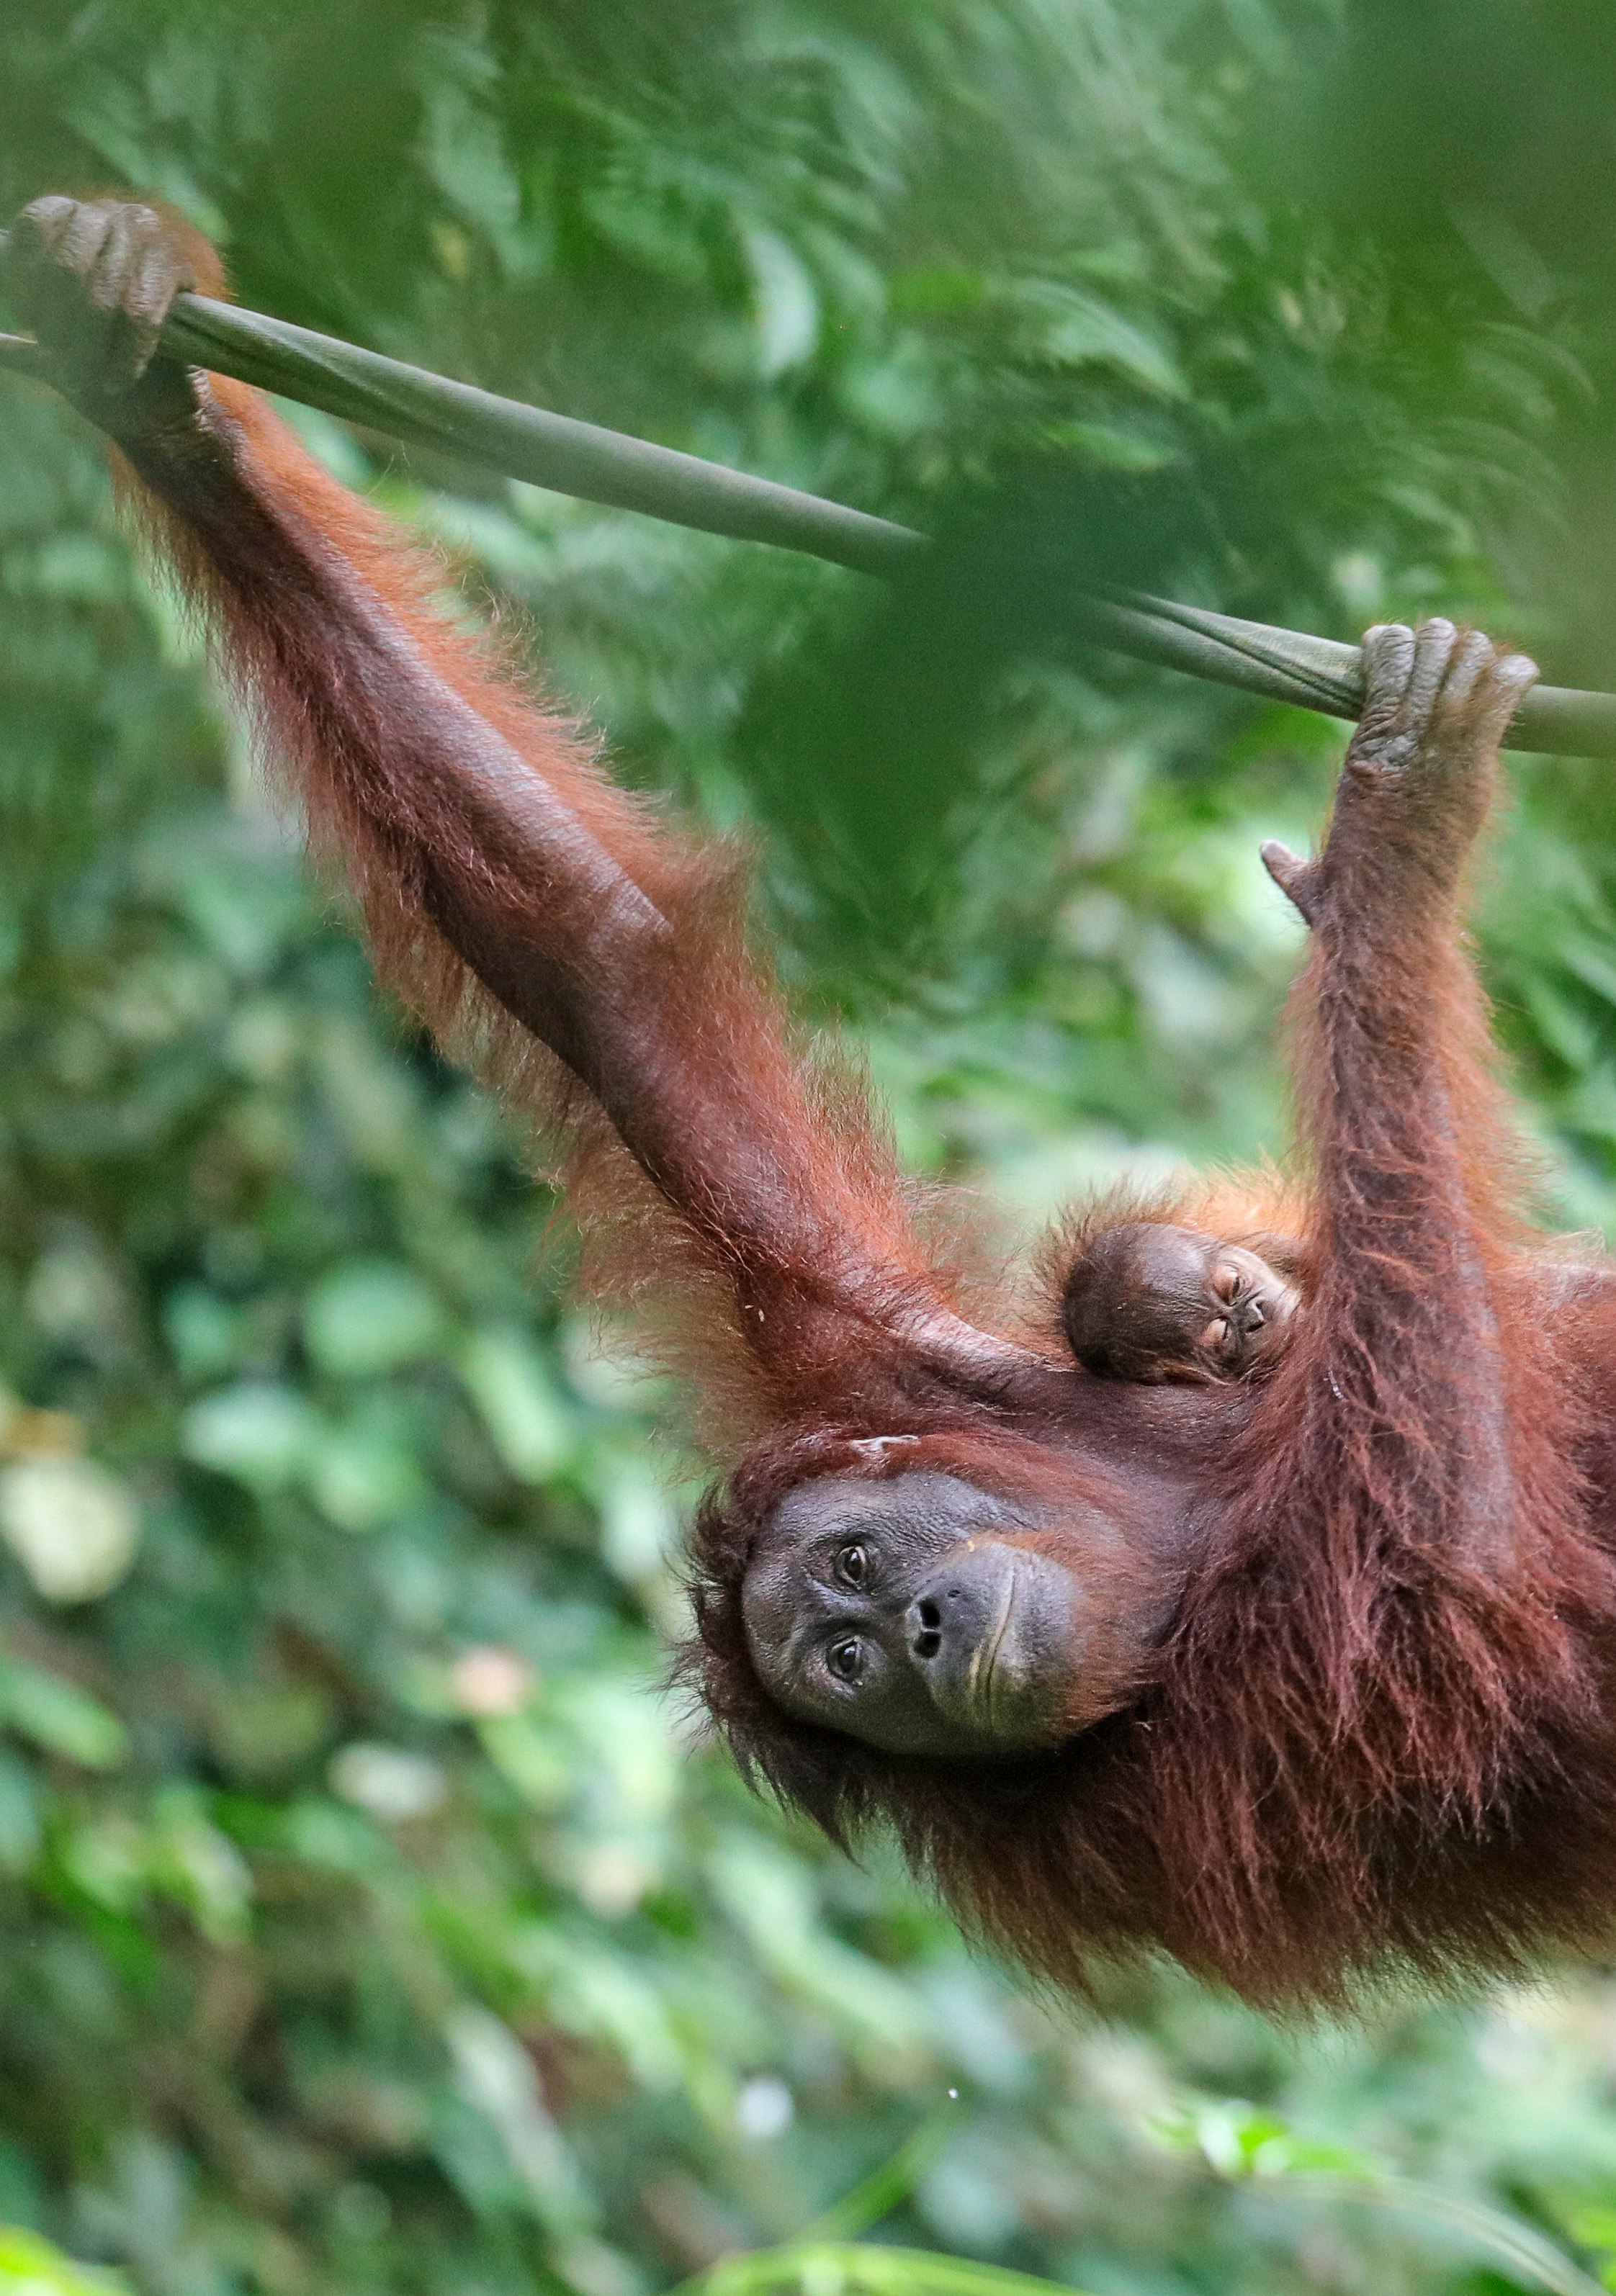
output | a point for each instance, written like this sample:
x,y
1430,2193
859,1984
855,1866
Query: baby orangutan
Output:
x,y
1152,1302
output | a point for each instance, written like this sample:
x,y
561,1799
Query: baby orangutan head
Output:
x,y
1153,1302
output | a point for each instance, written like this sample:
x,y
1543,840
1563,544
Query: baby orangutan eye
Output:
x,y
853,1565
1215,1335
1225,1280
846,1660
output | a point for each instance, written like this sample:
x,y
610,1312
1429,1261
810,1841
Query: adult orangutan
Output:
x,y
1304,1678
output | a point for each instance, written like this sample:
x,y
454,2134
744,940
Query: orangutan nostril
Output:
x,y
928,1640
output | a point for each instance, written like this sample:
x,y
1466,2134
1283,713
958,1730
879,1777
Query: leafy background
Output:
x,y
368,1917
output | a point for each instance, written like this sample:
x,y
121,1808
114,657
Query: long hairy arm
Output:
x,y
512,894
1393,1608
1414,1364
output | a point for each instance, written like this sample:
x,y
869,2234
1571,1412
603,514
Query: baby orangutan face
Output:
x,y
1147,1301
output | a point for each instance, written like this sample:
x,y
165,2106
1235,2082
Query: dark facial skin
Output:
x,y
1157,1303
901,1612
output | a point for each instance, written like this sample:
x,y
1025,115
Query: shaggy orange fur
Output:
x,y
1374,1731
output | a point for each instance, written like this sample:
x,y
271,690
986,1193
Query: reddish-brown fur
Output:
x,y
1376,1737
719,1027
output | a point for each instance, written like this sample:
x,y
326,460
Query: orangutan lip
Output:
x,y
980,1679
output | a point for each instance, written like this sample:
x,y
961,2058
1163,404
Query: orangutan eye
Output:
x,y
853,1565
1216,1336
846,1660
1226,1281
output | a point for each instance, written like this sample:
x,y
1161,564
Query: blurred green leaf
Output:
x,y
370,1317
514,1391
259,1432
59,1716
28,2265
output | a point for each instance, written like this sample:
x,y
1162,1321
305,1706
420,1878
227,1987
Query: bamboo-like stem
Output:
x,y
607,467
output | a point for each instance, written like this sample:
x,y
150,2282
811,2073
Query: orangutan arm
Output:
x,y
1406,1385
484,840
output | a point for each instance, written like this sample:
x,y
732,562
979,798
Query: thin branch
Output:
x,y
607,467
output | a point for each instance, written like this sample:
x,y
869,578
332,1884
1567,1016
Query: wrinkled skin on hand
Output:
x,y
93,280
1438,702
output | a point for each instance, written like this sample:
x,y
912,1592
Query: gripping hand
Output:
x,y
92,280
1421,766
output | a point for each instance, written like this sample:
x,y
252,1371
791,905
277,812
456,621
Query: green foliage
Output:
x,y
30,2266
367,1918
